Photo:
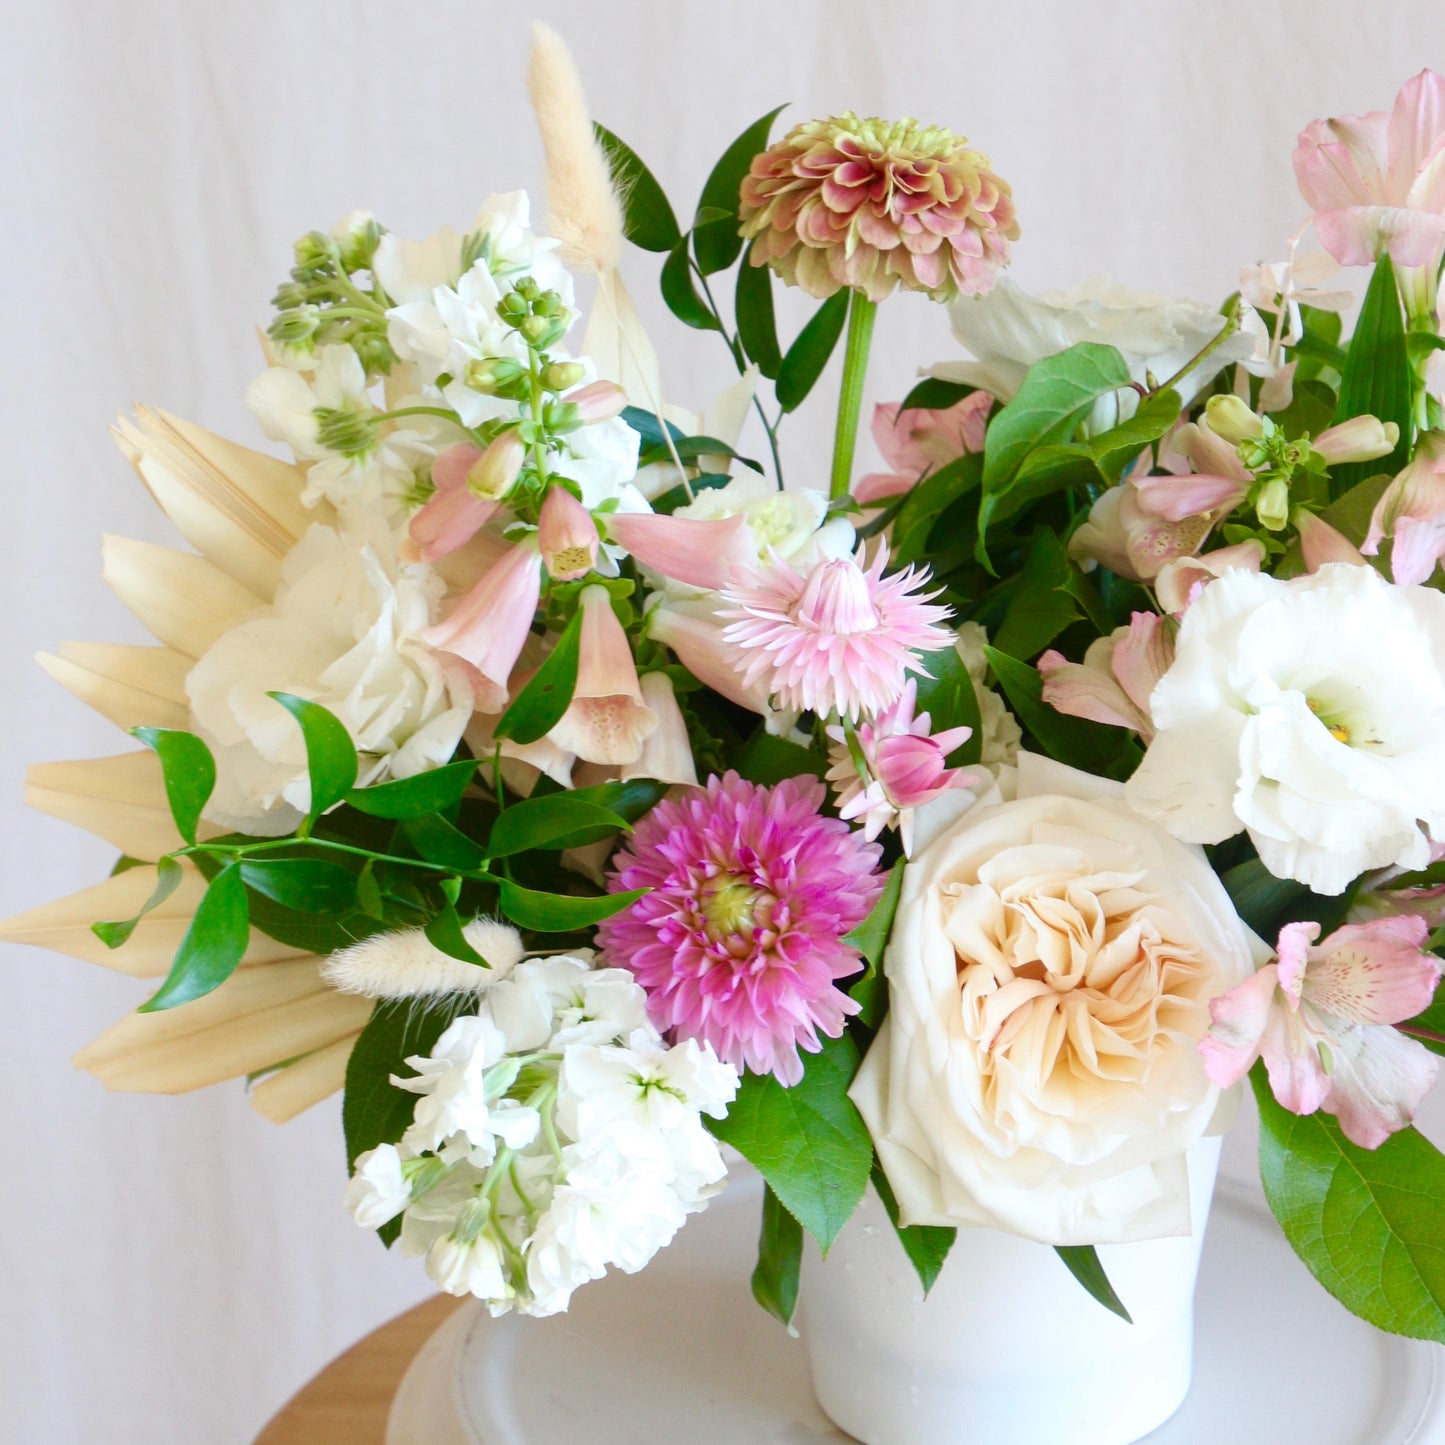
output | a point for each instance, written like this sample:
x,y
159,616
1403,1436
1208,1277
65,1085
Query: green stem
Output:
x,y
245,850
861,312
1231,325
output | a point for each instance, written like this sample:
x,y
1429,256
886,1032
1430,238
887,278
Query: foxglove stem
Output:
x,y
861,312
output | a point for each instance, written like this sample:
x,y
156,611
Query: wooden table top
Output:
x,y
347,1403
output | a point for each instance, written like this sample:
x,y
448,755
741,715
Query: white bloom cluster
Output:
x,y
554,1134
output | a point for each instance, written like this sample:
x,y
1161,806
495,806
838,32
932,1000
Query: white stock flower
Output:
x,y
1309,712
565,1000
472,1266
1050,973
342,630
377,1190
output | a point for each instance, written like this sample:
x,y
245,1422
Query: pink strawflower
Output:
x,y
919,441
1320,1018
873,204
906,767
842,638
740,940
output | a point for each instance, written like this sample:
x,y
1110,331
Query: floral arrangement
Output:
x,y
529,762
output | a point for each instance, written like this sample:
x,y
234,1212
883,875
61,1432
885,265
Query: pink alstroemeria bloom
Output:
x,y
1321,543
1180,582
1377,182
919,441
906,767
1412,511
488,627
1130,541
1320,1018
567,535
690,550
1113,683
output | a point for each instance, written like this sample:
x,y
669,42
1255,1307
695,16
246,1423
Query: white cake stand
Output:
x,y
680,1355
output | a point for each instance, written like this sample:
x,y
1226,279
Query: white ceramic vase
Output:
x,y
1008,1348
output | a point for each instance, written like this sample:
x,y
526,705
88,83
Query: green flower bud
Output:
x,y
289,295
348,430
549,303
1231,418
297,325
316,251
358,238
513,308
562,375
375,352
534,328
1272,504
492,374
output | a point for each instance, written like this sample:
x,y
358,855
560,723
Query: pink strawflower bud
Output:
x,y
872,204
919,441
598,401
493,473
1180,582
488,627
666,754
691,550
1113,683
1320,1018
1321,543
1412,511
607,719
567,535
1361,439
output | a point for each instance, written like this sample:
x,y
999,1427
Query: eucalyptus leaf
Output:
x,y
716,242
189,773
681,294
648,219
805,359
213,946
539,707
431,792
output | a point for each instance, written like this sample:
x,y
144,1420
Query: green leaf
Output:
x,y
561,912
1376,378
1042,606
1054,468
647,216
870,938
685,492
780,1258
430,792
921,506
212,947
1114,449
767,760
330,753
680,291
441,842
1083,1263
538,708
1262,900
1429,1027
645,424
933,393
689,449
168,878
542,822
951,701
444,930
189,771
926,1245
1090,746
808,355
716,242
807,1141
306,884
1365,1221
368,892
757,325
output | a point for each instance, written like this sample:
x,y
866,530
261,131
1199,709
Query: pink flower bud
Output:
x,y
1412,511
1320,543
1361,439
567,534
493,473
598,401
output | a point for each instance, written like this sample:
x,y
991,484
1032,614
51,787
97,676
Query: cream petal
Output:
x,y
121,799
131,686
296,1088
619,346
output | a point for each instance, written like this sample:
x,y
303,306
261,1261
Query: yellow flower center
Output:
x,y
731,906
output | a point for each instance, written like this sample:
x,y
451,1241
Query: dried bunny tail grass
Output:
x,y
584,212
408,965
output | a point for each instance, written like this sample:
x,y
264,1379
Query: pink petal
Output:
x,y
1142,656
449,520
1088,690
1292,1059
878,487
1417,125
450,469
1419,546
1374,973
699,553
1334,173
1321,543
1177,498
1294,956
1379,1079
1240,1019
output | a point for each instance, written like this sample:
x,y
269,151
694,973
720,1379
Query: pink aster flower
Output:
x,y
740,942
1320,1018
905,767
873,204
843,637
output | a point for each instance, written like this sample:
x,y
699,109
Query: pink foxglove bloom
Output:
x,y
872,204
488,627
919,441
567,535
1180,582
607,719
1361,439
1321,544
842,638
906,767
697,640
699,553
1377,181
1320,1018
493,473
598,401
667,753
1113,683
453,514
739,943
1412,511
1134,543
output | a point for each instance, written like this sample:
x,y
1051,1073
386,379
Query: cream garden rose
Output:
x,y
1050,974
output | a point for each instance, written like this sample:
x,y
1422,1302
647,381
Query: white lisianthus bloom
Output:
x,y
1310,713
1007,330
342,630
378,1190
1050,973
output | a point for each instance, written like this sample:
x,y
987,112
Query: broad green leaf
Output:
x,y
780,1258
950,699
646,425
305,884
1054,468
690,449
716,242
933,393
1265,902
1114,449
922,505
444,930
1365,1221
1042,606
441,842
1089,746
430,792
647,216
629,800
541,822
870,938
926,1245
807,1141
680,291
330,753
805,359
307,931
561,912
1083,1263
1376,379
168,878
212,947
189,771
767,760
757,325
1429,1027
538,708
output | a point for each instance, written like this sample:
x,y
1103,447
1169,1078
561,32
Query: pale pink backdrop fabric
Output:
x,y
170,1270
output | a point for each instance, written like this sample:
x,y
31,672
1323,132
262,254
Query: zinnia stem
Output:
x,y
861,312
